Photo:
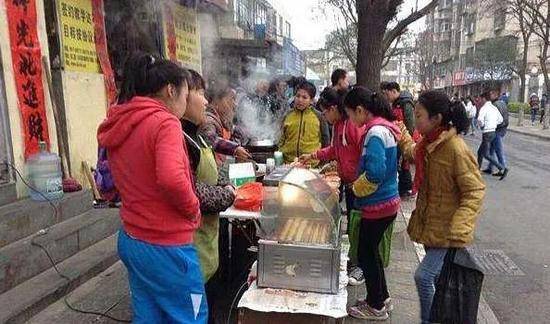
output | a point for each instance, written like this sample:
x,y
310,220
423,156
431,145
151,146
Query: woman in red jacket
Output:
x,y
345,148
160,211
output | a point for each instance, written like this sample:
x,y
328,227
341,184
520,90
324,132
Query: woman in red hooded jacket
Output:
x,y
160,211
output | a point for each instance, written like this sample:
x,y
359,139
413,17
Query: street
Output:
x,y
515,220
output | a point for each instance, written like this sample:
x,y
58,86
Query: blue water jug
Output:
x,y
44,172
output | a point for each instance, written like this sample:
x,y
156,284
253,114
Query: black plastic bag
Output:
x,y
458,289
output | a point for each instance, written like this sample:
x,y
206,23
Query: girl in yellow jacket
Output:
x,y
302,129
450,188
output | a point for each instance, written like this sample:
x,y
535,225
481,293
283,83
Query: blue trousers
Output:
x,y
425,277
497,149
166,282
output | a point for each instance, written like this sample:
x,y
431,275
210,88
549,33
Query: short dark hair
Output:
x,y
390,86
294,81
372,101
145,75
308,87
196,81
337,75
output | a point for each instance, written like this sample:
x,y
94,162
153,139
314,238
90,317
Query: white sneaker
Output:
x,y
356,277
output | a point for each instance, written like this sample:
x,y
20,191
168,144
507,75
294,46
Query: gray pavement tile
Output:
x,y
402,266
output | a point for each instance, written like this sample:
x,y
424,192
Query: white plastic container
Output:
x,y
44,174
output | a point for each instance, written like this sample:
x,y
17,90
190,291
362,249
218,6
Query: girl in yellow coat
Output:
x,y
450,188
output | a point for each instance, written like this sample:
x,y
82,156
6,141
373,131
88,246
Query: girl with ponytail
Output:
x,y
450,188
160,211
376,194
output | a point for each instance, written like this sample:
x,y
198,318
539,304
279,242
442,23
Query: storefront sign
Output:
x,y
182,38
102,52
78,47
26,62
459,78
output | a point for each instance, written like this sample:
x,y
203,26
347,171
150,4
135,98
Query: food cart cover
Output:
x,y
291,301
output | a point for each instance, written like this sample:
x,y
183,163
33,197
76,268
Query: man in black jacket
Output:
x,y
497,144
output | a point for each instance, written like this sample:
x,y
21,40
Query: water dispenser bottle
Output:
x,y
45,175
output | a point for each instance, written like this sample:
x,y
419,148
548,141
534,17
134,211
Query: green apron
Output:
x,y
206,236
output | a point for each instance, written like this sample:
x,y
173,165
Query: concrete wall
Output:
x,y
84,100
85,107
11,94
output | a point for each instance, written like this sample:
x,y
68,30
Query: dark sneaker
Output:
x,y
487,171
356,277
498,174
504,174
365,312
387,303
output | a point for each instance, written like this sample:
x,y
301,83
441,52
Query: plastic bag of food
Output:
x,y
249,197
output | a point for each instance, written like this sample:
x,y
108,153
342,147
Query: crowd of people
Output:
x,y
183,132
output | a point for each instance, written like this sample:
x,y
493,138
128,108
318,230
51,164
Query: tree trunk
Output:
x,y
523,70
522,81
371,29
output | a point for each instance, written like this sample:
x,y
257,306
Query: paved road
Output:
x,y
516,219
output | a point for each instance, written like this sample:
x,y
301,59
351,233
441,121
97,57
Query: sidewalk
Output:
x,y
108,292
528,129
404,259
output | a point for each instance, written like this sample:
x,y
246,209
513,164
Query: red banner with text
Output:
x,y
27,68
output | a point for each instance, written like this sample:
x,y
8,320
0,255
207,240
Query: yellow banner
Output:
x,y
77,35
188,42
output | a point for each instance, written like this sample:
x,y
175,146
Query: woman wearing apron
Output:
x,y
214,194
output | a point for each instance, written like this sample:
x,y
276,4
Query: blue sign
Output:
x,y
293,62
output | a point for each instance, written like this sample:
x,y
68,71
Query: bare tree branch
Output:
x,y
391,53
402,25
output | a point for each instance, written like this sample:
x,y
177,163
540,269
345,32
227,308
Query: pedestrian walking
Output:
x,y
497,145
534,103
489,118
403,109
160,210
346,147
471,111
451,188
376,194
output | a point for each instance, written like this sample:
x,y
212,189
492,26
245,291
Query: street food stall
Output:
x,y
300,273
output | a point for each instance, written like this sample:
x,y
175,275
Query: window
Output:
x,y
469,24
261,14
244,13
445,3
499,19
445,26
287,29
281,26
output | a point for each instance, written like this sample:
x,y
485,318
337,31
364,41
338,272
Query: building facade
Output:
x,y
474,42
